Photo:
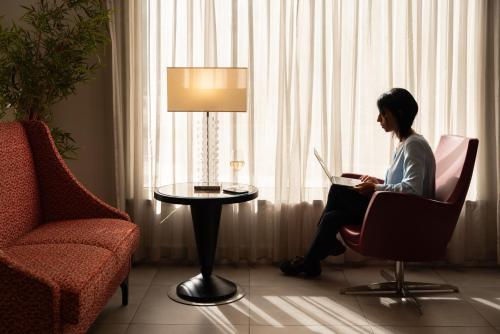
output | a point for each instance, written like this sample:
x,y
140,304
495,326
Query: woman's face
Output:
x,y
387,120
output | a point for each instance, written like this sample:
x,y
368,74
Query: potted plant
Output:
x,y
42,59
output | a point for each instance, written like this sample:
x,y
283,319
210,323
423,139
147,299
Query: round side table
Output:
x,y
205,288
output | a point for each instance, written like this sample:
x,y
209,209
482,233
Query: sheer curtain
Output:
x,y
316,69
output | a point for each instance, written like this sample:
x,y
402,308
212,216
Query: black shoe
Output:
x,y
298,265
337,249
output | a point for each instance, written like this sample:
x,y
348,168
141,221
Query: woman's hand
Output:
x,y
368,178
366,188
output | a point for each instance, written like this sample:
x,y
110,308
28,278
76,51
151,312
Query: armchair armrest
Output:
x,y
29,302
407,227
357,176
62,196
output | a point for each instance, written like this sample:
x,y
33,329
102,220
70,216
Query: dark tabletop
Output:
x,y
184,193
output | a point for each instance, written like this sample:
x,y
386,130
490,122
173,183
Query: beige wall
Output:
x,y
88,116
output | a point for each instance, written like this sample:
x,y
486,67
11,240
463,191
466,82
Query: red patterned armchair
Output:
x,y
63,252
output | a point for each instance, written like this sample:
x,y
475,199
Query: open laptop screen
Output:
x,y
338,180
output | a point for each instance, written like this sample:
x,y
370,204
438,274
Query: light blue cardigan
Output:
x,y
412,170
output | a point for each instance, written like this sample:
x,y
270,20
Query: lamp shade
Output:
x,y
207,89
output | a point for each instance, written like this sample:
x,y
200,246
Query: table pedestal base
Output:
x,y
213,290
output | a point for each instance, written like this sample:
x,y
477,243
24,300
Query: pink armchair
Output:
x,y
404,227
63,252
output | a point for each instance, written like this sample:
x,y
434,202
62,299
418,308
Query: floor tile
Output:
x,y
471,277
277,304
310,329
100,328
306,305
486,301
438,310
115,312
158,308
272,276
432,330
171,275
142,274
187,329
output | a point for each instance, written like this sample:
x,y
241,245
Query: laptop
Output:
x,y
338,180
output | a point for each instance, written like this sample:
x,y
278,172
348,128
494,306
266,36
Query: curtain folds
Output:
x,y
315,71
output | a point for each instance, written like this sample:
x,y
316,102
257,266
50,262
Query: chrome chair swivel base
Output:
x,y
399,288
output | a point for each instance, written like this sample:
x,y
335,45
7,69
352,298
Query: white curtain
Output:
x,y
316,69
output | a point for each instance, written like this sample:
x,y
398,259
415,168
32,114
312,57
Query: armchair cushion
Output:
x,y
391,222
82,272
118,236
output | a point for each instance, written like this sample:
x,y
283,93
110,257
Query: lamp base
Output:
x,y
207,187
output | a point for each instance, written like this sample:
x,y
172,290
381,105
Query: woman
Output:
x,y
412,171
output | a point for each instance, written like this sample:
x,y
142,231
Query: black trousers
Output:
x,y
344,206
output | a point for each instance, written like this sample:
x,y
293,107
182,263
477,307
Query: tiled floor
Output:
x,y
278,304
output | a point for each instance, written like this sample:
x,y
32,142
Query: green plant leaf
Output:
x,y
43,60
65,143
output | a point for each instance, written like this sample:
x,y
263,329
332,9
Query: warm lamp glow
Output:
x,y
207,89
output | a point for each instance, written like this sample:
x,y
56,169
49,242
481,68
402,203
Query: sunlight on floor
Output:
x,y
317,310
487,302
266,317
340,312
238,307
285,306
291,310
387,302
215,315
439,298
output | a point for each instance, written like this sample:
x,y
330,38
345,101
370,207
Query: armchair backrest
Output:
x,y
19,197
455,157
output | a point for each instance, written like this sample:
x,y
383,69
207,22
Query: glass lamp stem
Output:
x,y
208,148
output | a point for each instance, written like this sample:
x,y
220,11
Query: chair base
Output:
x,y
399,288
391,287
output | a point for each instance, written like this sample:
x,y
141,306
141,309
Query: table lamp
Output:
x,y
209,90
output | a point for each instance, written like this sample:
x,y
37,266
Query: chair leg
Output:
x,y
431,287
399,288
406,295
124,288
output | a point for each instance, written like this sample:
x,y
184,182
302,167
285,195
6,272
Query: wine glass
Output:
x,y
237,161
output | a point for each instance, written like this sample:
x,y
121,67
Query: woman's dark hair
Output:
x,y
403,106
